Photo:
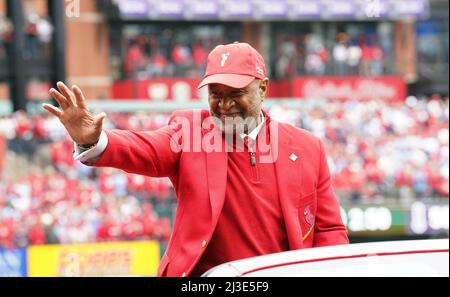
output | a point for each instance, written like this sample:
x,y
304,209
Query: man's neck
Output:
x,y
254,133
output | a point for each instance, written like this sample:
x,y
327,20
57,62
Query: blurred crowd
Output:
x,y
6,35
377,151
50,198
310,54
149,52
294,55
141,61
173,53
38,36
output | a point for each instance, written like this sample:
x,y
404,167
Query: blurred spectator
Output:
x,y
354,55
366,59
31,33
316,61
317,56
39,33
159,66
199,55
340,54
6,35
134,60
377,60
182,58
36,234
287,53
371,58
155,51
308,54
44,29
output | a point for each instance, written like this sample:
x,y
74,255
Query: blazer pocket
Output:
x,y
307,214
162,268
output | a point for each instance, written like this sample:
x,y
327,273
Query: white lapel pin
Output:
x,y
293,157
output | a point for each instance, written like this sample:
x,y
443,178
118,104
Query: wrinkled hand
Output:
x,y
82,126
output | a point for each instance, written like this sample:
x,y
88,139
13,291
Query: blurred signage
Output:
x,y
13,263
340,8
417,219
167,8
371,219
101,259
203,9
272,9
134,8
279,10
375,8
183,90
306,9
410,8
357,88
180,90
238,9
428,219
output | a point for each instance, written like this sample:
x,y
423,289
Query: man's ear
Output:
x,y
263,88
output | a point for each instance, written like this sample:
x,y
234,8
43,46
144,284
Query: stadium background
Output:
x,y
370,77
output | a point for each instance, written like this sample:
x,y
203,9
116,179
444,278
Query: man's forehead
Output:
x,y
222,87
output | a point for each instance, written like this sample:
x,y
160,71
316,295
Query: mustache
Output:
x,y
228,113
245,121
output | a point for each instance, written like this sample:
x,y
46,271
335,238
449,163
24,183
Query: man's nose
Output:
x,y
225,104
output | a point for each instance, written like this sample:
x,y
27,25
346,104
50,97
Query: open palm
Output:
x,y
82,126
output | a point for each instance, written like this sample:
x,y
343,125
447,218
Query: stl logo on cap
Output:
x,y
237,72
224,59
259,69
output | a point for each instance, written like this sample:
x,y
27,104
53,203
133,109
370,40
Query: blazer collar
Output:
x,y
287,160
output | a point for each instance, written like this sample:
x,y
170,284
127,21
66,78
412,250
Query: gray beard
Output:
x,y
237,125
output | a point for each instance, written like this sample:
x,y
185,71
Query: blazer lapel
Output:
x,y
216,167
287,159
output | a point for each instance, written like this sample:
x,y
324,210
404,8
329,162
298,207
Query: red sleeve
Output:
x,y
329,229
155,153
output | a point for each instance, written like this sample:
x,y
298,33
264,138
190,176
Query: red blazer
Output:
x,y
309,205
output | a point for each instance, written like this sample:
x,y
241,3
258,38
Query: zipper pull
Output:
x,y
252,159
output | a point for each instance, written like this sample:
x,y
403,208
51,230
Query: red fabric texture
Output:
x,y
200,180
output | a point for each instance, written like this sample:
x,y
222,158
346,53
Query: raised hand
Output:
x,y
82,126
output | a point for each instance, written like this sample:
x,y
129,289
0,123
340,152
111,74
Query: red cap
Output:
x,y
235,65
